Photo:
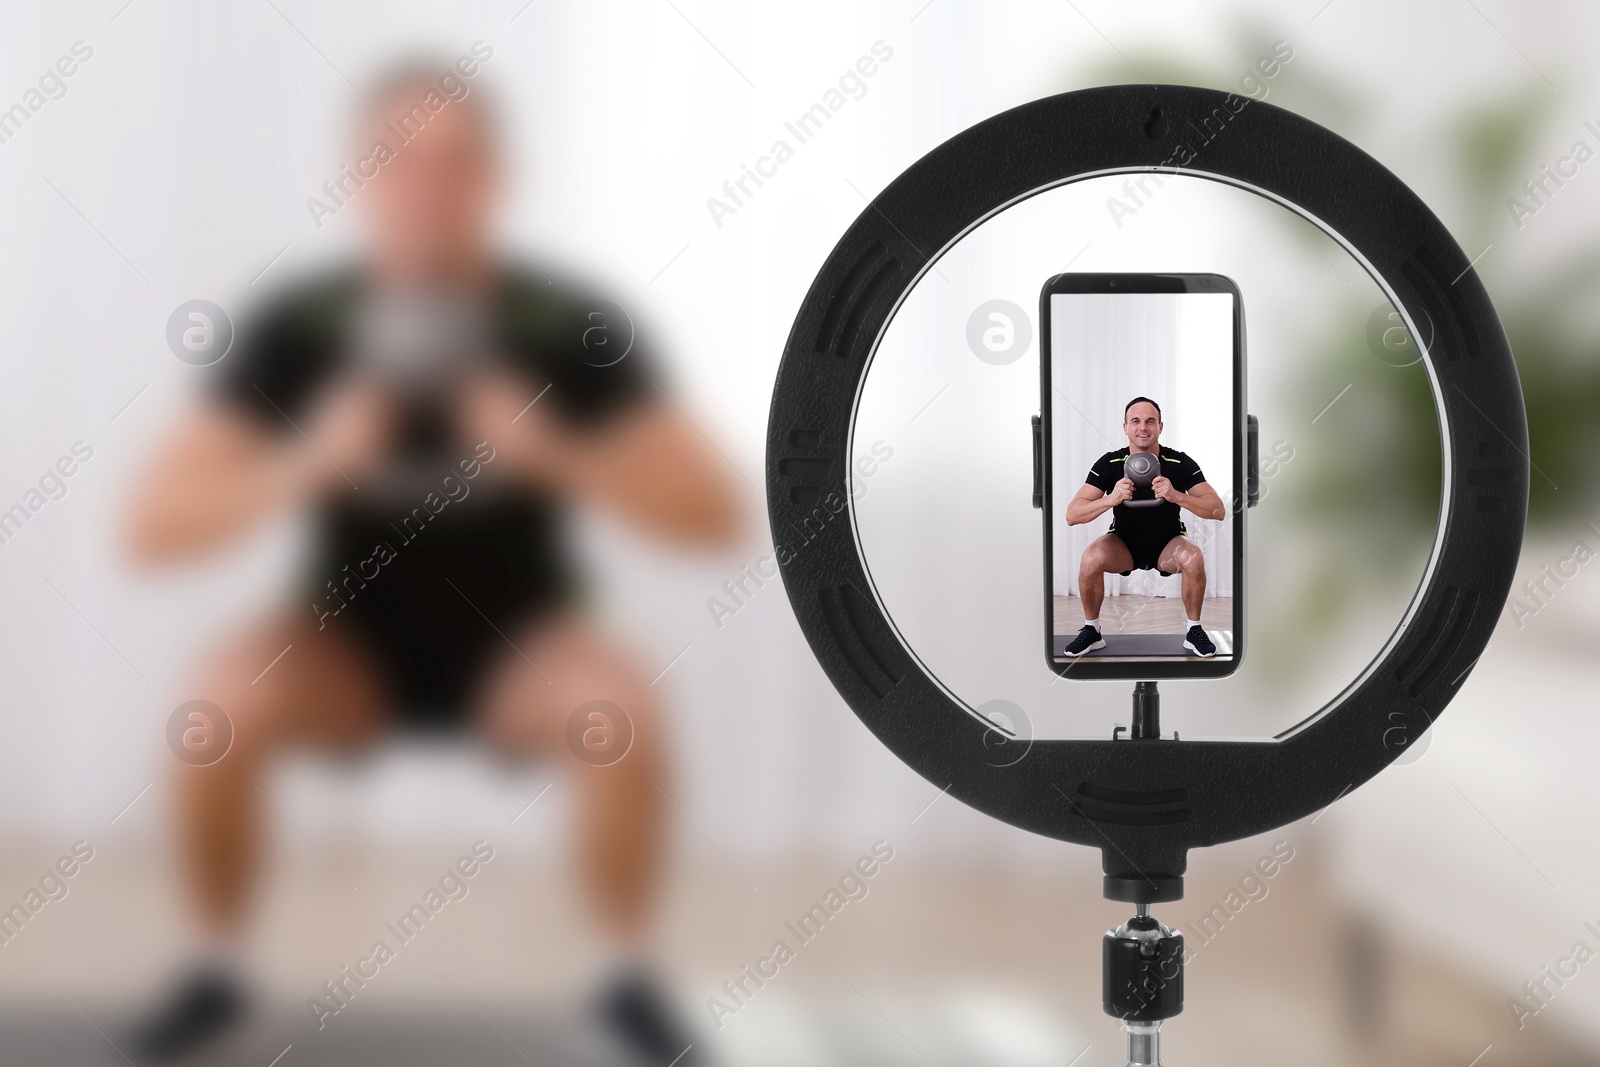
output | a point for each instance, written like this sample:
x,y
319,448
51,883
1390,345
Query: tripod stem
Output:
x,y
1144,1044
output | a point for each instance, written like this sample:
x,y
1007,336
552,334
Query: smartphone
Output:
x,y
1141,470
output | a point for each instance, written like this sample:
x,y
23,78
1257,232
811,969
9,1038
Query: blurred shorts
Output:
x,y
435,613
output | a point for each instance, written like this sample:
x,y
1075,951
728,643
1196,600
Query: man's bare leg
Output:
x,y
283,684
319,693
621,808
1105,553
620,805
1183,556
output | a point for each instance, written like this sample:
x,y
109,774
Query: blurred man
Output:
x,y
438,412
1142,538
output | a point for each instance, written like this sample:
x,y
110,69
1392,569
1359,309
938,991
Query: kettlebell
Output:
x,y
1141,469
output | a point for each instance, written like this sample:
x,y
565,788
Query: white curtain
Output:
x,y
1106,349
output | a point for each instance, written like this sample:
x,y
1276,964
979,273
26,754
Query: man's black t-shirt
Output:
x,y
429,556
1149,526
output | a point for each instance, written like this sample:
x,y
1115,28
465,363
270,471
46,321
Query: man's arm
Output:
x,y
1089,503
649,465
1202,500
645,463
217,476
221,473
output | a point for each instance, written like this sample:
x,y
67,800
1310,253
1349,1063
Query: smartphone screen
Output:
x,y
1143,440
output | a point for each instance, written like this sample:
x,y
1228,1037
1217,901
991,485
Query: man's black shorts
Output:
x,y
1146,551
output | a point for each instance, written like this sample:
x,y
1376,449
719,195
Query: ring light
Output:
x,y
1146,801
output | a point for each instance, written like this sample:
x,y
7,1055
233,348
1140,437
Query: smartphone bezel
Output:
x,y
1154,668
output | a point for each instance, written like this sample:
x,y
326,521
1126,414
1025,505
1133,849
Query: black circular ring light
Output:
x,y
1145,803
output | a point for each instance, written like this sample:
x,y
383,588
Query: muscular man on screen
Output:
x,y
1146,537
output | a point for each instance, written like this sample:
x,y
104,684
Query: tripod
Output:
x,y
1141,961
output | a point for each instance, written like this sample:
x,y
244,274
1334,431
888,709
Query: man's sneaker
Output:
x,y
1088,640
635,1012
1197,642
205,1005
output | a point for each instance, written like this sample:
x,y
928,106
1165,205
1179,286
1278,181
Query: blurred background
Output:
x,y
175,164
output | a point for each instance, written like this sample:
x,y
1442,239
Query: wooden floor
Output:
x,y
901,981
1144,615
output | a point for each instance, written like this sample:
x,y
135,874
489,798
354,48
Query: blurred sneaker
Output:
x,y
204,1006
637,1015
1088,640
1197,642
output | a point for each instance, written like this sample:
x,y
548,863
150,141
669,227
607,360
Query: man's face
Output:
x,y
1143,427
422,209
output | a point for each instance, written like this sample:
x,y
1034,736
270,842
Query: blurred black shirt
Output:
x,y
433,553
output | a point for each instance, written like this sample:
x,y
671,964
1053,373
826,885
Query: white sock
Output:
x,y
1092,622
1194,622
